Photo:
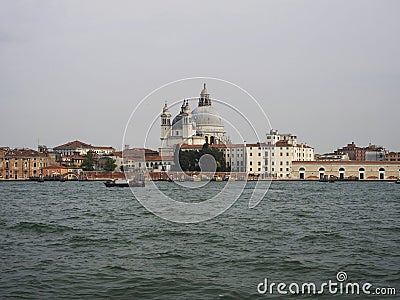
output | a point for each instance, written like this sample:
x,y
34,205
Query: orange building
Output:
x,y
21,164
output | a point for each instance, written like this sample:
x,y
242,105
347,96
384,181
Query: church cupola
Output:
x,y
204,99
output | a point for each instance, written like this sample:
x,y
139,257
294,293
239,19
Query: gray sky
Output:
x,y
328,71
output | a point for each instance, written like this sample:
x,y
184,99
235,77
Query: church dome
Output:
x,y
207,115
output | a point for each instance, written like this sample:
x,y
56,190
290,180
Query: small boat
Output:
x,y
397,181
229,178
217,178
124,183
196,178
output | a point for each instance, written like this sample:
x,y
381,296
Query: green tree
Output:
x,y
110,164
88,162
189,160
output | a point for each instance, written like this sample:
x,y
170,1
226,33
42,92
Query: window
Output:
x,y
251,169
259,163
287,153
251,154
281,154
251,163
259,169
287,169
259,154
281,163
281,169
287,163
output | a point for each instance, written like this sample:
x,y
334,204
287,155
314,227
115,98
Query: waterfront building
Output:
x,y
81,148
21,164
361,170
145,160
369,153
392,156
68,173
197,127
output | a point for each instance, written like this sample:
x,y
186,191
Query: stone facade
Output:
x,y
365,170
21,164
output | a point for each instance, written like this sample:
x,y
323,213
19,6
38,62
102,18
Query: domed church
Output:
x,y
197,127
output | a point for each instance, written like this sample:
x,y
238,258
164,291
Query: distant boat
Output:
x,y
124,183
397,181
217,178
196,178
229,178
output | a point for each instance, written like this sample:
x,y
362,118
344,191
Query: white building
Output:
x,y
81,148
197,127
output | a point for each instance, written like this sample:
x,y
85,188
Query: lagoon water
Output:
x,y
77,240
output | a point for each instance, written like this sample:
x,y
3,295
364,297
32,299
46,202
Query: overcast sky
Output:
x,y
327,71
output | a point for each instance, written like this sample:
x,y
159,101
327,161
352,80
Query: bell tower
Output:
x,y
165,125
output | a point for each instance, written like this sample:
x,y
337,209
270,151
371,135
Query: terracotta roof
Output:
x,y
117,153
24,152
283,143
78,144
256,145
73,145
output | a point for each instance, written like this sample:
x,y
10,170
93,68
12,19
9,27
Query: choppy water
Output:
x,y
77,240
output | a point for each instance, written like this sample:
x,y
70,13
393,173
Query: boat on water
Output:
x,y
196,178
124,183
397,181
229,178
217,178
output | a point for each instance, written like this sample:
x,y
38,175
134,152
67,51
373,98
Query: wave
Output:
x,y
40,227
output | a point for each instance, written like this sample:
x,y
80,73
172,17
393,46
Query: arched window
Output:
x,y
361,174
302,172
341,173
381,173
321,173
